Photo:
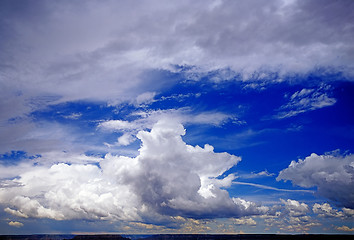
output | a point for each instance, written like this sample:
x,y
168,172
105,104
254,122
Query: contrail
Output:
x,y
271,188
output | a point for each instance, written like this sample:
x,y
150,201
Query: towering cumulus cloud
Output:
x,y
167,178
333,176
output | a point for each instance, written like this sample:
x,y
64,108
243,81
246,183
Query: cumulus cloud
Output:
x,y
295,208
332,174
326,210
245,221
345,228
15,224
168,177
290,216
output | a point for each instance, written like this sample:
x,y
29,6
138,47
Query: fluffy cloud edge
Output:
x,y
332,174
167,178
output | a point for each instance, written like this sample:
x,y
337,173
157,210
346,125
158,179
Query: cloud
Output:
x,y
290,216
271,188
47,159
39,137
332,174
306,100
15,224
145,98
345,228
117,125
295,208
122,62
125,139
146,119
326,210
15,212
103,61
167,178
261,174
73,116
245,221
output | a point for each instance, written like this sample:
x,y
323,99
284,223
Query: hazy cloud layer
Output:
x,y
332,174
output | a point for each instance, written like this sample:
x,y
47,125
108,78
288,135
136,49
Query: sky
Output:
x,y
176,116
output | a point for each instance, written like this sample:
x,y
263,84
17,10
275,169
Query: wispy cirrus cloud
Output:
x,y
261,174
305,100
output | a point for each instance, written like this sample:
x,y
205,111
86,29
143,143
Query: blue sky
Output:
x,y
176,117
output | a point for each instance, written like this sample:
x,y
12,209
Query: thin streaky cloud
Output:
x,y
272,188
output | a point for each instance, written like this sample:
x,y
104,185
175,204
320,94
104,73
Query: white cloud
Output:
x,y
348,212
118,125
73,116
125,139
326,210
295,208
41,137
271,188
332,174
306,100
109,55
345,228
145,98
148,118
15,224
15,212
261,174
168,177
245,221
46,159
290,216
264,173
